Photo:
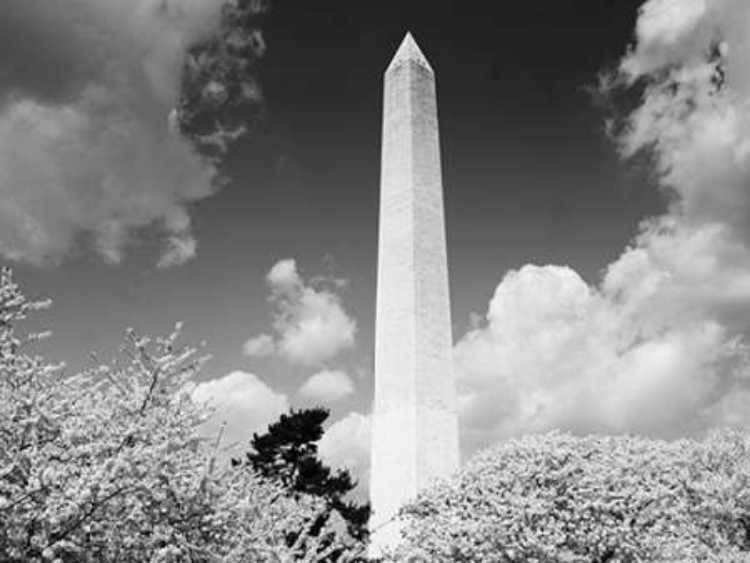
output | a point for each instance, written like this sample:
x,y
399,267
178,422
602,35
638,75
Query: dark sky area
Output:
x,y
529,174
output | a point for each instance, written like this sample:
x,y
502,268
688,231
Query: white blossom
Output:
x,y
559,498
108,465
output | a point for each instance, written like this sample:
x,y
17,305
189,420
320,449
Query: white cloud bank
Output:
x,y
327,386
660,346
94,159
310,323
346,444
243,403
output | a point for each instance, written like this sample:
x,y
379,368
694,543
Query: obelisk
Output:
x,y
415,422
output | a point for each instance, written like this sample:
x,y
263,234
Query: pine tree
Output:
x,y
288,453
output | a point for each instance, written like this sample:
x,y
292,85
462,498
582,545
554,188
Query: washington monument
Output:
x,y
415,427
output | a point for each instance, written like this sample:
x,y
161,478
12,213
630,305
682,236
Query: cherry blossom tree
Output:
x,y
109,465
556,497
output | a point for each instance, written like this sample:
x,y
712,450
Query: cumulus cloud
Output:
x,y
90,156
346,444
556,353
244,404
327,386
180,248
660,346
309,321
259,346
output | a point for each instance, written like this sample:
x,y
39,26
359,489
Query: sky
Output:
x,y
596,163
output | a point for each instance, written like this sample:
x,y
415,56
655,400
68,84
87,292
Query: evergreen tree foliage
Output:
x,y
288,454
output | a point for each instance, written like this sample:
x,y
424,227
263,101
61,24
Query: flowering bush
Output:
x,y
108,465
559,498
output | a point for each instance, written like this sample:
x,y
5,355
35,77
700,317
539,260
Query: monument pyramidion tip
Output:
x,y
409,51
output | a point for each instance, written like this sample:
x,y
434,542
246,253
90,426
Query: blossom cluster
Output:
x,y
109,464
557,497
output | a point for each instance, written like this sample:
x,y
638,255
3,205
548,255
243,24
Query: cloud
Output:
x,y
283,276
220,94
679,33
660,345
87,155
244,403
309,321
556,353
327,386
180,249
346,444
259,346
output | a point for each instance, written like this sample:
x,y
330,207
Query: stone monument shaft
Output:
x,y
415,428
